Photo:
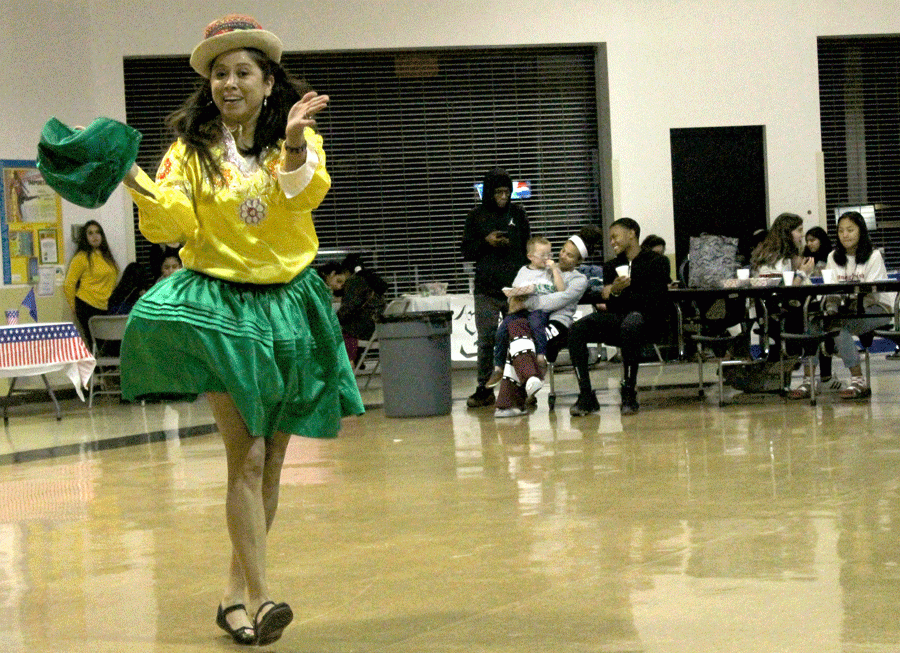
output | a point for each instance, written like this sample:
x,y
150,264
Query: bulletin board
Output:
x,y
30,223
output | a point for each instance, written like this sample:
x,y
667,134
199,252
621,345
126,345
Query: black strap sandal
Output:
x,y
240,635
271,625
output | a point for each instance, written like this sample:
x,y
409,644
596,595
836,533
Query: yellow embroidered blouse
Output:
x,y
257,228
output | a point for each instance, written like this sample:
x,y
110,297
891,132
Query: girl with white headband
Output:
x,y
561,306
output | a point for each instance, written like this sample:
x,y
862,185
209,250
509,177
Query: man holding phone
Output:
x,y
494,239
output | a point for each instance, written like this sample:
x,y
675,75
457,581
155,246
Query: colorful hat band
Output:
x,y
230,23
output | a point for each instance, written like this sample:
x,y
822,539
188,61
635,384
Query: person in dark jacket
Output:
x,y
495,235
635,292
135,281
362,302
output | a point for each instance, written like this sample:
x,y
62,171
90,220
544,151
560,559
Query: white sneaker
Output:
x,y
831,385
532,385
509,412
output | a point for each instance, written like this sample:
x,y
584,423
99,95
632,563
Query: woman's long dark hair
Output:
x,y
197,122
863,247
779,242
825,246
82,244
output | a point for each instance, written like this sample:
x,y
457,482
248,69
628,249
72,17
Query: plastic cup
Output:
x,y
12,317
828,276
622,270
743,273
788,276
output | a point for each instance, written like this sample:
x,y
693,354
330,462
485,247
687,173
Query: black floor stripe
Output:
x,y
79,448
105,444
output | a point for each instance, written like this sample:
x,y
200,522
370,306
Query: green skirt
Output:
x,y
277,350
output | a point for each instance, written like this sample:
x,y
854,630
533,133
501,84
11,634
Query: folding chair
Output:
x,y
107,332
889,332
722,347
370,346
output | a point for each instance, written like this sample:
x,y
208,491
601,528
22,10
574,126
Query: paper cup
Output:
x,y
743,273
788,276
828,276
622,270
12,317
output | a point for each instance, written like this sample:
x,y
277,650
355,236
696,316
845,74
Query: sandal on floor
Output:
x,y
270,626
240,635
856,390
802,391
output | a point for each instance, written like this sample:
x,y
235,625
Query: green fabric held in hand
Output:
x,y
86,165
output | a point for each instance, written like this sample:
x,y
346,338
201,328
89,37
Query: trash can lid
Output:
x,y
418,316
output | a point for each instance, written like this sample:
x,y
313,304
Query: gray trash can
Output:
x,y
414,349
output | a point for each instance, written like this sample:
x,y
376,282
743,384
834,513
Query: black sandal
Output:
x,y
273,622
240,635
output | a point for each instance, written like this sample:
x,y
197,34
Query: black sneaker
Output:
x,y
585,405
480,398
629,401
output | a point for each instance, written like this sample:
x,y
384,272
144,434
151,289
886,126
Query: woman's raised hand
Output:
x,y
301,116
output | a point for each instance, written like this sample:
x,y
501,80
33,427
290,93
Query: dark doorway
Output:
x,y
718,184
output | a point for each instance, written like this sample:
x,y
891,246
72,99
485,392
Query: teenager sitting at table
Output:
x,y
636,308
779,252
818,247
854,259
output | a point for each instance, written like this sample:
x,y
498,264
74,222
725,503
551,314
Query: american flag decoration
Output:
x,y
30,302
38,344
12,316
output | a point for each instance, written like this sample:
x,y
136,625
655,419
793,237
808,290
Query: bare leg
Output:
x,y
244,507
276,447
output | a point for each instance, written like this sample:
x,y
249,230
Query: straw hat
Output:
x,y
230,33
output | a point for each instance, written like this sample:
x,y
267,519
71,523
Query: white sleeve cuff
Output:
x,y
295,182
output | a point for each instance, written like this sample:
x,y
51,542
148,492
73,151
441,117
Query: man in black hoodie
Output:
x,y
495,236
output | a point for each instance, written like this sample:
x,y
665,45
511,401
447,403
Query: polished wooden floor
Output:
x,y
761,526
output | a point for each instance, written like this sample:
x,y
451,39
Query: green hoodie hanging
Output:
x,y
86,165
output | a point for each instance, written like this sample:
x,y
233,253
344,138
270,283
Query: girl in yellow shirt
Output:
x,y
91,276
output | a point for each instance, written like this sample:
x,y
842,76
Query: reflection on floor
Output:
x,y
761,526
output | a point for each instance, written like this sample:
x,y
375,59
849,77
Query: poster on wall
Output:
x,y
30,222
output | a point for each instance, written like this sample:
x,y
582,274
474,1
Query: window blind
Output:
x,y
409,133
859,95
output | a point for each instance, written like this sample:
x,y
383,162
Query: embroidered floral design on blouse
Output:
x,y
164,169
170,175
253,211
231,155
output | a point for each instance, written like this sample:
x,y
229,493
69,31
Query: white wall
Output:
x,y
678,63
